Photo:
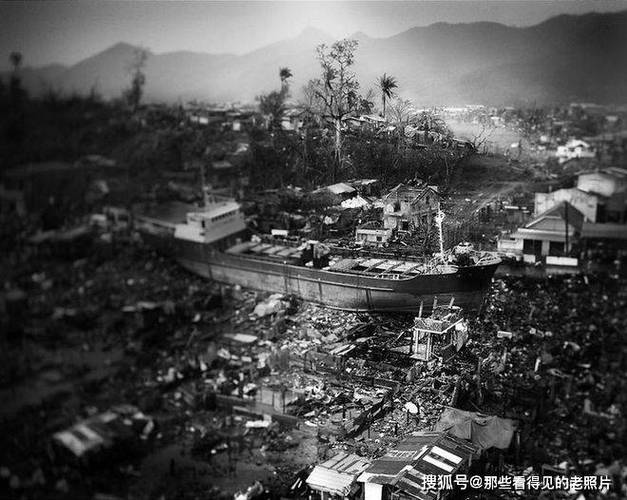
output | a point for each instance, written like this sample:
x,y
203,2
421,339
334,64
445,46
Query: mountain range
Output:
x,y
566,58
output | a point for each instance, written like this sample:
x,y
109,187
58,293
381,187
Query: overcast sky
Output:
x,y
68,31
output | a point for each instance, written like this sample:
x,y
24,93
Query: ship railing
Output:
x,y
349,252
288,242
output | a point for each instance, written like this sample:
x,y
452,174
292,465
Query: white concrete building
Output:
x,y
575,148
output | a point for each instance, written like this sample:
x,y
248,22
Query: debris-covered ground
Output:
x,y
233,390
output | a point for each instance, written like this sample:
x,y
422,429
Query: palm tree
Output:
x,y
284,74
387,84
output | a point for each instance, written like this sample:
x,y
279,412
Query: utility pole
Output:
x,y
438,220
566,252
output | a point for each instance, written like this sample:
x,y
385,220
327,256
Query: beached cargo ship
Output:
x,y
212,243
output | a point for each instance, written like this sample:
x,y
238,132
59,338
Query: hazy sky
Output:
x,y
68,31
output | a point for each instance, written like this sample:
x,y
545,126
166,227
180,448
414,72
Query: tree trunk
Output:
x,y
338,148
304,172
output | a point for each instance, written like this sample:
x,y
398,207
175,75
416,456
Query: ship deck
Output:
x,y
269,250
372,267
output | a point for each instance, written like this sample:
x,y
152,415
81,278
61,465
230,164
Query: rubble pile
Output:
x,y
246,391
562,369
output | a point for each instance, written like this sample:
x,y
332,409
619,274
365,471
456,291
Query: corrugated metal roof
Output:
x,y
426,453
393,462
337,475
447,455
411,482
341,188
331,481
530,234
562,211
346,463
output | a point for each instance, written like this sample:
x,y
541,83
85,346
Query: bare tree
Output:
x,y
481,138
135,69
336,91
366,102
431,122
401,112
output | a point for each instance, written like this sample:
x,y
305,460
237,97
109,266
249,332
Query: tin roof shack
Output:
x,y
239,120
407,208
551,235
449,327
367,187
399,473
293,119
115,433
337,477
341,189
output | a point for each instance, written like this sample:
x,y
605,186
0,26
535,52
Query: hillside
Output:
x,y
563,59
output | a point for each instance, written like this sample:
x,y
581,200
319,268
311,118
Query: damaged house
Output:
x,y
407,208
337,477
399,474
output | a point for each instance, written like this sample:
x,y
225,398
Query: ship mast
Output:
x,y
205,195
438,220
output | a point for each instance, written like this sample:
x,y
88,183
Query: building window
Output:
x,y
397,206
532,247
379,238
556,248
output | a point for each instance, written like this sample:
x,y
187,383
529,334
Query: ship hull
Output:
x,y
339,290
